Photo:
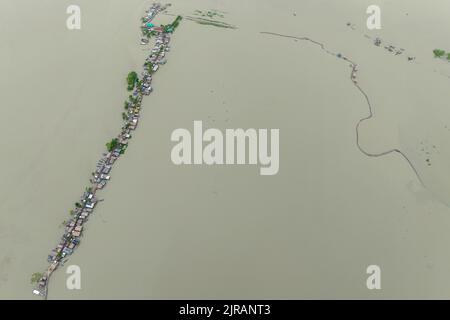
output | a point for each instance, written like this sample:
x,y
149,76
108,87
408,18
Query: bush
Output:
x,y
112,144
438,53
132,78
35,277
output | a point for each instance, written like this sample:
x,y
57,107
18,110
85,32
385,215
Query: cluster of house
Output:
x,y
74,227
70,239
156,58
147,25
104,166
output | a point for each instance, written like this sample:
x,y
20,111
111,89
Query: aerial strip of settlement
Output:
x,y
116,147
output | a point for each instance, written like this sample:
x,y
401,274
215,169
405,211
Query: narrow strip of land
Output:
x,y
353,78
138,87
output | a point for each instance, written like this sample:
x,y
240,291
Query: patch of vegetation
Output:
x,y
438,53
133,100
171,27
112,144
213,23
35,277
122,151
149,33
149,66
132,79
139,85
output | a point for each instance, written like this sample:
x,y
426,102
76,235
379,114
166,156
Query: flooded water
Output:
x,y
167,231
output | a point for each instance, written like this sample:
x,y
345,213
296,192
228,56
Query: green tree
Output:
x,y
438,53
112,144
149,66
132,78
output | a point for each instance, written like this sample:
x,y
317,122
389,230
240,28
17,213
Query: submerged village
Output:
x,y
116,147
